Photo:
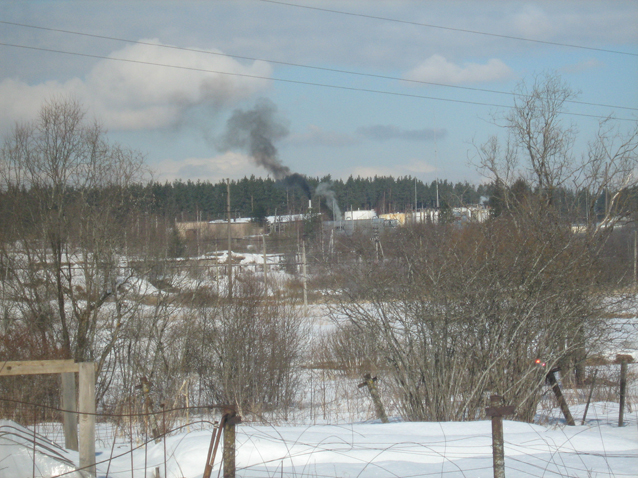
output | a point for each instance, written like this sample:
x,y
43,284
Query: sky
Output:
x,y
351,87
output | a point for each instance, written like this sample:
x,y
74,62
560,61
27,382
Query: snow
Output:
x,y
339,448
371,449
459,449
16,454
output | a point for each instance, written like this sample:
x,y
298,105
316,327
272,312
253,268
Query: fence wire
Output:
x,y
127,448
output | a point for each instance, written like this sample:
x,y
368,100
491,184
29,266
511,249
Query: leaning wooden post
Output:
x,y
87,417
70,417
591,392
228,455
551,379
498,445
371,383
623,388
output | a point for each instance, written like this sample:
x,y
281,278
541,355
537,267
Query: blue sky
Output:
x,y
176,116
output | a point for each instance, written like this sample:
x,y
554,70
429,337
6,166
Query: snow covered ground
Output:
x,y
402,449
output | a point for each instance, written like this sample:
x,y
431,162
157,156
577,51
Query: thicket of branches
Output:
x,y
454,314
86,275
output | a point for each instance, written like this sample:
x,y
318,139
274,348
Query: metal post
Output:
x,y
212,450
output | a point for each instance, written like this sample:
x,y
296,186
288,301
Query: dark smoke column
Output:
x,y
255,130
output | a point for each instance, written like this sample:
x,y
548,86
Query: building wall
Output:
x,y
206,230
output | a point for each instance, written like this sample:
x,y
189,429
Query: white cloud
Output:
x,y
20,102
418,166
228,165
437,69
129,95
532,22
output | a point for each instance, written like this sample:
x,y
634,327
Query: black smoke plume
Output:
x,y
256,130
296,179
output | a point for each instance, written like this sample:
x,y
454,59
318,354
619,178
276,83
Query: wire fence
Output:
x,y
173,442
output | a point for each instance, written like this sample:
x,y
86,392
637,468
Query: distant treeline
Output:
x,y
258,197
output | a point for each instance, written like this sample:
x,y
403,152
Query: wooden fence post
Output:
x,y
623,388
498,444
68,369
551,379
371,383
87,417
228,454
70,417
591,392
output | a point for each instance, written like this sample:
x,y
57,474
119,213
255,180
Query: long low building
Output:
x,y
461,215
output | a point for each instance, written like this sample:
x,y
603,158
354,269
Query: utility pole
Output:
x,y
305,278
263,236
230,260
635,259
606,191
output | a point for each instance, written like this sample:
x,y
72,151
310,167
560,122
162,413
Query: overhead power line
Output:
x,y
441,27
298,65
284,80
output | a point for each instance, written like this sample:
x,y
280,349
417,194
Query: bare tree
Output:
x,y
540,150
454,314
66,200
248,351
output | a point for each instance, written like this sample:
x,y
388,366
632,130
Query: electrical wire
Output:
x,y
461,30
299,82
298,65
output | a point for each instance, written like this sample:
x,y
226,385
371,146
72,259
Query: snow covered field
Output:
x,y
415,449
327,434
398,449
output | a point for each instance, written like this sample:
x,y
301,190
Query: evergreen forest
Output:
x,y
259,197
